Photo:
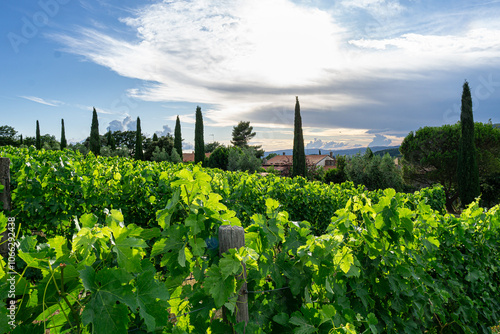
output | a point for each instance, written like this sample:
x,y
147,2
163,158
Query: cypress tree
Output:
x,y
64,143
155,137
299,156
178,137
110,139
95,144
21,140
199,143
139,154
38,141
467,167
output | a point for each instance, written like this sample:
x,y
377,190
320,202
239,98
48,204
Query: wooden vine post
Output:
x,y
5,200
234,237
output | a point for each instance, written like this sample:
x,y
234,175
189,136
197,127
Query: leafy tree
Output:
x,y
178,137
175,157
155,137
165,143
110,140
374,171
29,141
430,156
199,142
337,175
242,134
50,142
391,176
139,154
95,140
125,138
299,156
243,159
211,147
38,142
160,154
467,168
64,143
8,135
219,158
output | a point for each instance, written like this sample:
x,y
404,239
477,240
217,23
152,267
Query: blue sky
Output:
x,y
367,72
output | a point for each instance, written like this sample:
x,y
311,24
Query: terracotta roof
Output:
x,y
188,157
280,160
316,158
283,160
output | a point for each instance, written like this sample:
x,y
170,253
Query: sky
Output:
x,y
366,72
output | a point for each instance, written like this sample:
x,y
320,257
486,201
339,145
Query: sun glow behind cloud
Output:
x,y
248,59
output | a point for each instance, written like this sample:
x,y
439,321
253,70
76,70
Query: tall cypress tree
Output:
x,y
467,167
110,140
178,137
95,144
139,153
64,143
199,142
38,140
299,155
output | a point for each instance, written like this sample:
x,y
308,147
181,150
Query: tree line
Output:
x,y
463,158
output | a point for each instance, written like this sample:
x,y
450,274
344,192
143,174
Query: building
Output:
x,y
283,163
189,157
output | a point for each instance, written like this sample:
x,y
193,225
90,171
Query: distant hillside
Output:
x,y
348,152
497,125
393,152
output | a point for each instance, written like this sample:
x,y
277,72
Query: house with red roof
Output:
x,y
189,157
283,163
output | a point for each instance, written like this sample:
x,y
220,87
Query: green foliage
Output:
x,y
64,143
430,156
160,155
174,157
178,137
242,134
374,172
164,143
110,140
94,139
467,168
385,263
219,158
7,135
299,156
211,147
125,138
139,153
199,141
243,159
338,174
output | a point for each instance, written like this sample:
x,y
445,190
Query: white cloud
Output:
x,y
52,103
166,130
327,145
247,60
380,140
127,124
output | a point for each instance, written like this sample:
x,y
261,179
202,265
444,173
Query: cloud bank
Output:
x,y
249,59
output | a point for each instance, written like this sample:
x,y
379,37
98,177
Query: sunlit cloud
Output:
x,y
247,60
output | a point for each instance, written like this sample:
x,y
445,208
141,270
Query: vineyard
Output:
x,y
113,245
